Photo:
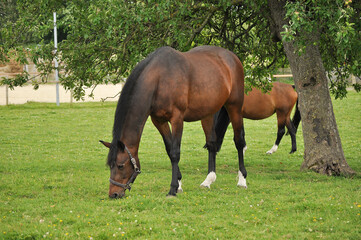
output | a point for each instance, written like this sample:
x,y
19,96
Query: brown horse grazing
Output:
x,y
280,100
258,105
173,87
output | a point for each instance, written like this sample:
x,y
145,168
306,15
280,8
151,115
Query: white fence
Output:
x,y
46,93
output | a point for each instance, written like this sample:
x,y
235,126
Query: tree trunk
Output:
x,y
323,149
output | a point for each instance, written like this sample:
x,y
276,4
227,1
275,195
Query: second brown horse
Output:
x,y
280,100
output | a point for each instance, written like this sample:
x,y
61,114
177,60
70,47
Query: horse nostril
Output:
x,y
114,195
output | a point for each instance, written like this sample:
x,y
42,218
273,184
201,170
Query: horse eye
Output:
x,y
121,166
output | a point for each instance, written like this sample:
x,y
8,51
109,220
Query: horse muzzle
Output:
x,y
115,195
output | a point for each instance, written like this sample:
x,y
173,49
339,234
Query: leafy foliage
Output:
x,y
104,39
339,28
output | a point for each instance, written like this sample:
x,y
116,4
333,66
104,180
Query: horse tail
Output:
x,y
221,122
296,117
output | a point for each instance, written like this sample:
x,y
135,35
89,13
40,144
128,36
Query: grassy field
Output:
x,y
54,182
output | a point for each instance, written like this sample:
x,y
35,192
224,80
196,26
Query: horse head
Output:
x,y
124,169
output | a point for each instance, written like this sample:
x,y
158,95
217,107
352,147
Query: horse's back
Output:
x,y
198,82
258,105
284,95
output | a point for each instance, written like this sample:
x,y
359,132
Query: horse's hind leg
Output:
x,y
239,141
292,131
166,133
211,145
281,122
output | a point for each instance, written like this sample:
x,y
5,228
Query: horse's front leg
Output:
x,y
174,155
165,131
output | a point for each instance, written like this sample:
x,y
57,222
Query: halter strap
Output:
x,y
128,185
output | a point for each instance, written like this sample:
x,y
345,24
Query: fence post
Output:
x,y
7,94
56,61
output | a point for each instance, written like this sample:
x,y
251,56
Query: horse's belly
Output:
x,y
257,110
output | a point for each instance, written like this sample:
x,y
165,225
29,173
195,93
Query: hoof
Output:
x,y
242,186
205,186
180,190
241,180
292,151
211,178
169,196
273,149
269,152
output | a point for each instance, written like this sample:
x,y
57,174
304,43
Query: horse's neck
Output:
x,y
135,121
132,132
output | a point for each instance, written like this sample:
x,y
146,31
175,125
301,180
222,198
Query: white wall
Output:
x,y
46,93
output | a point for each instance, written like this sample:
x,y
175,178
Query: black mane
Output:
x,y
123,106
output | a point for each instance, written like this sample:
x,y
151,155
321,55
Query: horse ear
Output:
x,y
121,145
107,144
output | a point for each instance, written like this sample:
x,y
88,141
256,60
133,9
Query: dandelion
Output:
x,y
358,205
60,220
66,234
120,223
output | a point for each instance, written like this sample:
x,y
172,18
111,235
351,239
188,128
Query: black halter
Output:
x,y
128,185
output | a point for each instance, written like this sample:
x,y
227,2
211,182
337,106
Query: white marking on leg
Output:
x,y
211,178
241,180
180,190
273,149
244,149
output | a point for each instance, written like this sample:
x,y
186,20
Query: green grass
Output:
x,y
54,182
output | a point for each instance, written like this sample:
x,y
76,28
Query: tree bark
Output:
x,y
323,149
